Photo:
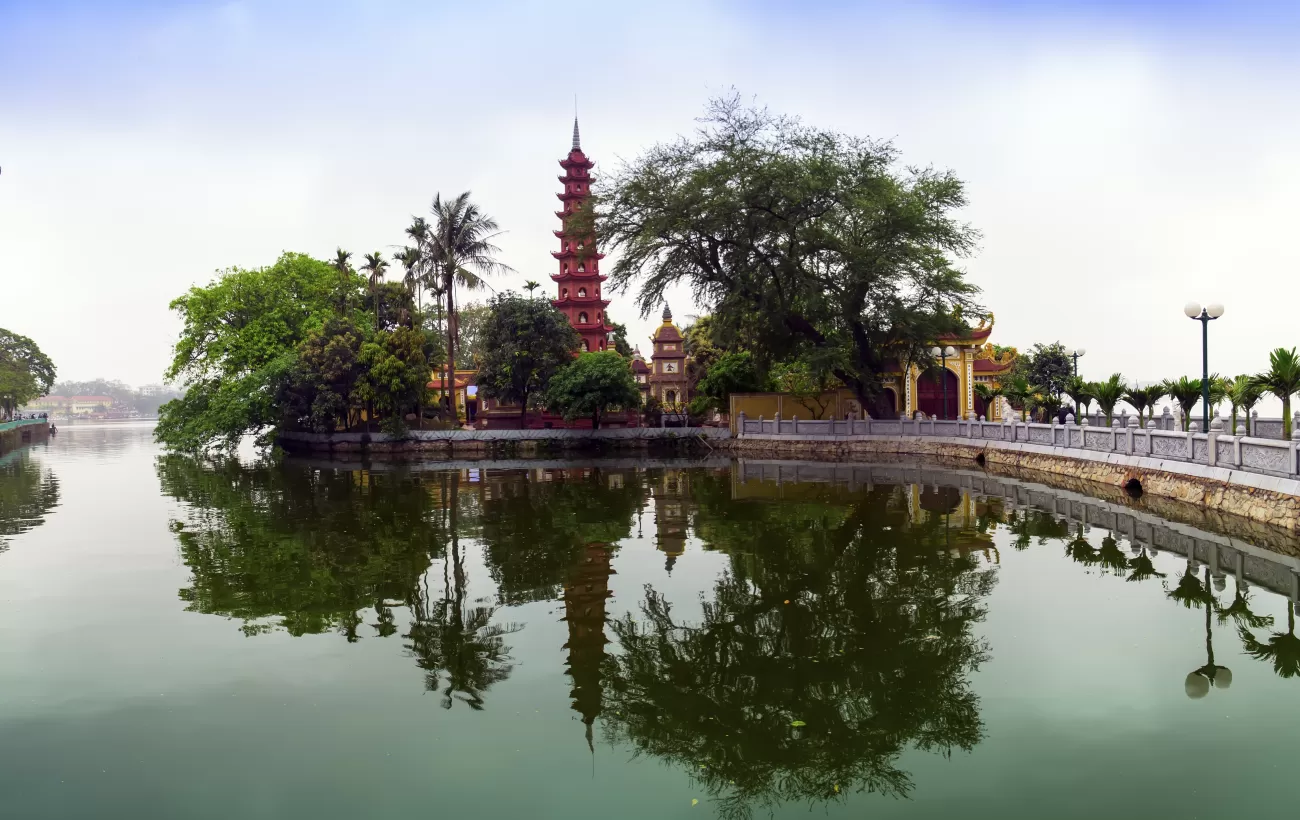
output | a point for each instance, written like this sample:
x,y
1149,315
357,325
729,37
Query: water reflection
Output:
x,y
842,631
28,492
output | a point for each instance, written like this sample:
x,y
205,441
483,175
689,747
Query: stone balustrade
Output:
x,y
1216,448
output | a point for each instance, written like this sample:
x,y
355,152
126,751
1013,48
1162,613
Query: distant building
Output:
x,y
71,405
668,380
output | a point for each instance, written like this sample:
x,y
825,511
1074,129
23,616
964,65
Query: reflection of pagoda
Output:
x,y
585,595
672,515
958,510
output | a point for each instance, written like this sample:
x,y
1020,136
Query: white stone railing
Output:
x,y
1217,448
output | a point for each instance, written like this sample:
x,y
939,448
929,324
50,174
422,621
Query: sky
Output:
x,y
1122,158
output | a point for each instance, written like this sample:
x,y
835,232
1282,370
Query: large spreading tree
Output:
x,y
592,384
792,235
26,373
524,344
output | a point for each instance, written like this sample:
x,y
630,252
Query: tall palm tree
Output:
x,y
342,262
1080,393
1219,387
1281,379
1109,393
420,234
1283,648
1244,395
1186,392
375,266
409,258
531,286
1143,398
1017,390
461,248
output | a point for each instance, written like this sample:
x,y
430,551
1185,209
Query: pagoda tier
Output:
x,y
578,294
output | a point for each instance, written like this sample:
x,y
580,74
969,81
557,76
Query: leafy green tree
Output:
x,y
320,393
1047,365
525,343
1282,379
1185,392
1109,393
394,375
531,286
471,320
1244,394
1144,398
26,373
461,249
729,373
592,384
810,378
239,343
989,394
792,235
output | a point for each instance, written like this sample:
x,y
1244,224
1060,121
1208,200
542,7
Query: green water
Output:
x,y
609,641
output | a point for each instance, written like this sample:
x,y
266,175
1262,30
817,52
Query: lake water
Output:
x,y
608,640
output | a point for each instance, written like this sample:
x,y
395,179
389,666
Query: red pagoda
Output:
x,y
579,279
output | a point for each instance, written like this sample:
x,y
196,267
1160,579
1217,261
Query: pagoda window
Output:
x,y
584,346
582,268
564,293
598,317
582,318
671,396
582,293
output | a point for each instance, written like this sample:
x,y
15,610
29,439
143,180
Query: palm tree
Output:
x,y
409,258
342,263
1080,393
375,265
531,286
1281,379
1109,393
989,395
461,247
1219,387
1186,392
1143,398
419,232
1283,648
1017,390
1143,567
1244,395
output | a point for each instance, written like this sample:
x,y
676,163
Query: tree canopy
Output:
x,y
525,343
1048,367
26,373
592,384
794,235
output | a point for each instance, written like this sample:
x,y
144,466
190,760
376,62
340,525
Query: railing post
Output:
x,y
776,421
740,422
794,424
1131,426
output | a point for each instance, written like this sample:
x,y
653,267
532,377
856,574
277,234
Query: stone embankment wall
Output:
x,y
1272,500
473,444
15,434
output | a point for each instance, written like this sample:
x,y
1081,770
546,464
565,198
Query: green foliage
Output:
x,y
26,373
1185,392
592,384
471,320
1144,398
1048,366
728,373
320,392
1109,393
525,343
1244,394
810,378
1282,379
843,252
1080,392
394,375
621,345
239,344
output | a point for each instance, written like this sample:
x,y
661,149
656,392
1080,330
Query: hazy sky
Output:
x,y
1122,158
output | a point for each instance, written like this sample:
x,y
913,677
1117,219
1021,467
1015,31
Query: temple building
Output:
x,y
668,380
641,372
579,279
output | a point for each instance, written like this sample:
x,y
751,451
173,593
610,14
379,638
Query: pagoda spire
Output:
x,y
577,144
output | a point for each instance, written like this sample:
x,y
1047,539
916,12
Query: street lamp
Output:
x,y
1076,353
1204,316
943,355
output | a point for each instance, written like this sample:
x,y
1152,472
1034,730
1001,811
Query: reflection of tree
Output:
x,y
1192,593
840,637
1111,558
1282,648
28,492
1142,567
309,547
1079,549
1026,525
534,531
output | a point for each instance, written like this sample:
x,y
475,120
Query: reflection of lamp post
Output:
x,y
943,355
1076,353
1210,313
1198,682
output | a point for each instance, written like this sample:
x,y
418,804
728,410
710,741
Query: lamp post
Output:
x,y
1076,353
943,355
1206,315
